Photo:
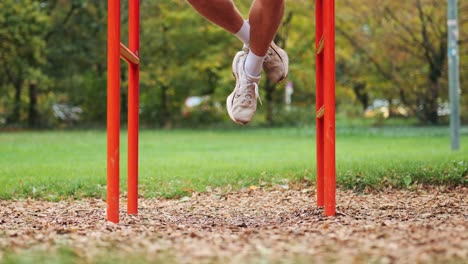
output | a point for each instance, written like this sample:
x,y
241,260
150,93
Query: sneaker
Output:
x,y
241,104
276,64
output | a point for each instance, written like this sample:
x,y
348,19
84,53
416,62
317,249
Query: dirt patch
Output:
x,y
278,225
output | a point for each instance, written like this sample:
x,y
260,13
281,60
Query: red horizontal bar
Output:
x,y
128,55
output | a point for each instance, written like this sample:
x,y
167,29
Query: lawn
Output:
x,y
277,224
53,165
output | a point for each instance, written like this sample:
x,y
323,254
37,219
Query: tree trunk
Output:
x,y
164,117
435,73
15,116
431,107
33,116
390,108
359,89
269,90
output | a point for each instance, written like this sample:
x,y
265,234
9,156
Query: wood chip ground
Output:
x,y
255,225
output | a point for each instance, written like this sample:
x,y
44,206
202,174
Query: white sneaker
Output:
x,y
276,64
241,104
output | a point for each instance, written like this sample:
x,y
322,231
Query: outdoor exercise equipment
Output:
x,y
325,105
115,50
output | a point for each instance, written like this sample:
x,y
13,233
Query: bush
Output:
x,y
294,116
205,114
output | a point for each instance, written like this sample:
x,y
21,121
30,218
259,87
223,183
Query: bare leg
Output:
x,y
221,12
264,18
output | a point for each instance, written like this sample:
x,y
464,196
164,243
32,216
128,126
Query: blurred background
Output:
x,y
391,65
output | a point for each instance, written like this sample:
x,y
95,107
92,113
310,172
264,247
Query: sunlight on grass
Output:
x,y
56,165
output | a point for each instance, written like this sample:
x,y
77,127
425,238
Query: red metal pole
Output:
x,y
133,107
329,98
113,109
319,98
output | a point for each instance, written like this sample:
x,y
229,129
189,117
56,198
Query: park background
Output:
x,y
391,65
212,191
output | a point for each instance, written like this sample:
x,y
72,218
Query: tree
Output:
x,y
182,55
405,43
76,56
22,52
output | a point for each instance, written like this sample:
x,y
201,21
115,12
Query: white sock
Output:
x,y
244,33
253,64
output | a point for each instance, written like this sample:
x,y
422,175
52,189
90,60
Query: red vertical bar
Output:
x,y
319,98
113,109
329,99
133,107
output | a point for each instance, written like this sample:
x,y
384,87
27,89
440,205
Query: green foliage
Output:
x,y
58,49
396,50
183,55
294,116
203,115
22,54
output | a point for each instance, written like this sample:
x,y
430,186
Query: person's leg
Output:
x,y
265,18
224,14
241,104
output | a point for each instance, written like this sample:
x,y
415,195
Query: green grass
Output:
x,y
69,255
57,165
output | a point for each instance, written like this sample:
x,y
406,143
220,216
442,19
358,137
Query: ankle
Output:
x,y
244,33
253,64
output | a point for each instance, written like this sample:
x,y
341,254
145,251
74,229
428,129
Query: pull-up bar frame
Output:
x,y
325,104
115,51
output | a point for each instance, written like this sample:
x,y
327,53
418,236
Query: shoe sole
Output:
x,y
230,97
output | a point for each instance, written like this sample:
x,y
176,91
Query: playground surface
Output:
x,y
278,224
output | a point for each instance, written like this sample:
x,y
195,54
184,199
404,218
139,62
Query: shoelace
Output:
x,y
246,48
257,94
